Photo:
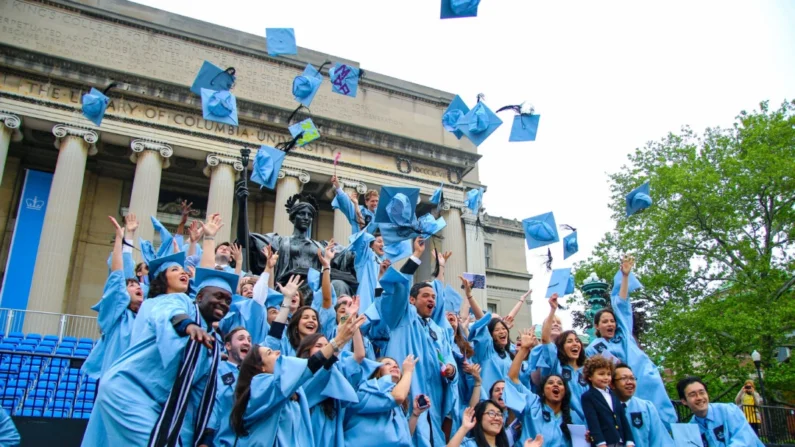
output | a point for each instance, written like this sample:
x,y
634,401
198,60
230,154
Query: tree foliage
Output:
x,y
715,250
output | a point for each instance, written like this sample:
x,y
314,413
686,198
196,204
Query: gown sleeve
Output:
x,y
375,396
8,431
481,339
114,302
343,203
740,432
169,343
393,306
270,390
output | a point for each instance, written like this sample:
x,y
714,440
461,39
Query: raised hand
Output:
x,y
195,231
384,267
409,363
469,421
353,308
526,294
335,181
529,339
237,253
325,256
119,231
441,258
419,246
290,289
417,411
347,329
553,302
466,285
130,223
474,371
272,259
185,209
627,262
213,224
508,320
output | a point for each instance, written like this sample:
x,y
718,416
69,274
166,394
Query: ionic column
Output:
x,y
455,241
222,170
150,158
55,247
475,252
342,228
9,131
290,183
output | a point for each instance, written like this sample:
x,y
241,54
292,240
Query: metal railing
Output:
x,y
775,425
63,325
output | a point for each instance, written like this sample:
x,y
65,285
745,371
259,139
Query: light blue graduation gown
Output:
x,y
272,418
115,322
411,334
226,381
9,436
367,264
647,427
726,426
136,387
535,416
344,203
622,345
281,344
377,420
492,366
548,363
249,314
338,383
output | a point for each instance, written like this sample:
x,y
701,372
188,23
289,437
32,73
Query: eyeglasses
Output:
x,y
494,414
699,393
628,379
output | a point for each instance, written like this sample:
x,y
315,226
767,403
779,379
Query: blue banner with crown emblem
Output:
x,y
25,240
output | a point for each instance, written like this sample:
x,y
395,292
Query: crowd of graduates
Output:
x,y
194,351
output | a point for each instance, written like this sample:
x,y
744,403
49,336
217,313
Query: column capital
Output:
x,y
302,176
62,131
449,204
142,144
469,217
12,122
216,159
360,187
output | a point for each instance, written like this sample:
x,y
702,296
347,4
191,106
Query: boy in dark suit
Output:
x,y
604,412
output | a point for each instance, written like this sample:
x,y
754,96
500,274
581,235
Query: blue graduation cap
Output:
x,y
455,111
166,239
280,41
306,85
429,225
274,299
396,205
540,230
639,199
398,251
570,245
216,278
266,167
474,199
238,298
219,106
561,282
425,227
479,123
94,105
438,195
211,77
686,435
452,9
452,300
159,265
524,128
634,283
345,79
307,130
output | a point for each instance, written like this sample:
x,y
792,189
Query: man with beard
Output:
x,y
647,427
162,389
237,344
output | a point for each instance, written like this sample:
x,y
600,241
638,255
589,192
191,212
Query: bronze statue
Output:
x,y
297,252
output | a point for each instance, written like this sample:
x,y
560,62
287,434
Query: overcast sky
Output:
x,y
606,77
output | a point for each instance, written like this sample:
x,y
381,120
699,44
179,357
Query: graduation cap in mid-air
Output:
x,y
540,230
455,111
345,79
525,123
639,199
211,77
453,9
479,123
95,102
280,41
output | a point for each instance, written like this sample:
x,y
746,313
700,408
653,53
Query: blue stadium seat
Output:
x,y
62,351
86,395
41,393
5,346
68,339
24,348
16,334
43,349
82,405
49,377
51,337
91,387
11,403
27,376
13,393
64,395
82,415
35,403
86,340
16,383
61,405
49,343
29,341
68,386
82,353
45,385
30,412
33,336
55,414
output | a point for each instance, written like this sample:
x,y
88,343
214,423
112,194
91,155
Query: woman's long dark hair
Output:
x,y
377,374
562,357
500,350
303,352
598,317
292,326
477,432
461,341
159,285
565,405
251,367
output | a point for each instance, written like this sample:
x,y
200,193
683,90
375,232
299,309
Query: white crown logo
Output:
x,y
34,204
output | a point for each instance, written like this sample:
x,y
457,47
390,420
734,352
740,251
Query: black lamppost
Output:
x,y
244,155
757,358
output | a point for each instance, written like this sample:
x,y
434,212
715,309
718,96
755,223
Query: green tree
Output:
x,y
715,250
